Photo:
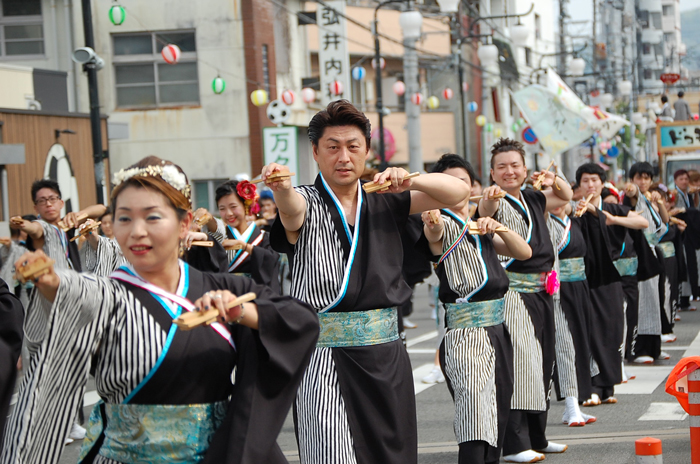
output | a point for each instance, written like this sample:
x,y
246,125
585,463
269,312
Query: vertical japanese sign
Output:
x,y
280,146
333,58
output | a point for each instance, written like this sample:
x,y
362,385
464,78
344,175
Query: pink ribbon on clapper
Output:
x,y
178,300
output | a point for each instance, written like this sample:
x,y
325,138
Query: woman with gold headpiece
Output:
x,y
166,394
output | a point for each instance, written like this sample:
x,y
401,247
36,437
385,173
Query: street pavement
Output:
x,y
643,408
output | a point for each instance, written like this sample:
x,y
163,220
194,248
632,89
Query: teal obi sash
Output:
x,y
153,432
526,283
652,238
626,266
572,270
358,328
479,314
668,248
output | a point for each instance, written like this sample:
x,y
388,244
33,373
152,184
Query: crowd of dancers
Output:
x,y
546,288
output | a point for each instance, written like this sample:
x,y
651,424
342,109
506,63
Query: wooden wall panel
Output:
x,y
37,132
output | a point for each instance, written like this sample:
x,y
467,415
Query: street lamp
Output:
x,y
577,66
625,87
411,22
606,100
488,54
519,33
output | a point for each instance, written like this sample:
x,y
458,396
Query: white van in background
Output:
x,y
673,163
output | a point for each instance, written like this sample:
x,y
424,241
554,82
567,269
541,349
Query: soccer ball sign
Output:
x,y
278,112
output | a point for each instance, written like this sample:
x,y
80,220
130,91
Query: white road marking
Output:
x,y
664,412
423,338
648,379
418,374
421,351
90,398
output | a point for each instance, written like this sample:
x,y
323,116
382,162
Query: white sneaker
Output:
x,y
644,360
663,355
668,338
525,456
68,441
434,377
408,324
554,448
77,432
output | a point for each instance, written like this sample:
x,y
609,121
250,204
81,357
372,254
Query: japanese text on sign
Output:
x,y
678,136
280,146
334,62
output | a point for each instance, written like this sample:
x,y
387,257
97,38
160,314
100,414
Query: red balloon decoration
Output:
x,y
336,88
171,53
417,98
465,86
288,97
447,93
382,63
399,88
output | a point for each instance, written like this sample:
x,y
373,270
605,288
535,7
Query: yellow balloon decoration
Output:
x,y
433,103
259,97
498,132
481,120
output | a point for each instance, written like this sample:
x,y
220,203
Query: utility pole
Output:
x,y
594,61
410,72
91,71
561,64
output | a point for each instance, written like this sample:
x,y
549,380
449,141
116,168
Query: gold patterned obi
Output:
x,y
668,249
627,266
572,270
526,283
358,328
468,315
153,432
243,274
652,238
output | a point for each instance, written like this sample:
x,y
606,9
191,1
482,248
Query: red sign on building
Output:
x,y
670,78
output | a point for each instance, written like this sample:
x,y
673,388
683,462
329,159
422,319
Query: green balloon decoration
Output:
x,y
489,127
515,127
117,15
218,85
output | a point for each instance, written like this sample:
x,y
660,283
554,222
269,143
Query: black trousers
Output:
x,y
526,430
476,452
631,290
648,345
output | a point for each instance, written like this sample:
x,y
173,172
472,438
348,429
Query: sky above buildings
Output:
x,y
584,11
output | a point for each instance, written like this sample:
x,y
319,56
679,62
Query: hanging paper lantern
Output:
x,y
447,93
498,132
308,95
481,120
399,88
336,88
520,122
465,86
515,127
472,107
417,98
218,85
382,63
433,102
171,53
117,14
259,97
288,97
359,73
489,127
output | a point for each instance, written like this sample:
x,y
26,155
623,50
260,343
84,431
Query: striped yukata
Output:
x,y
530,321
356,402
572,307
649,310
145,368
476,356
